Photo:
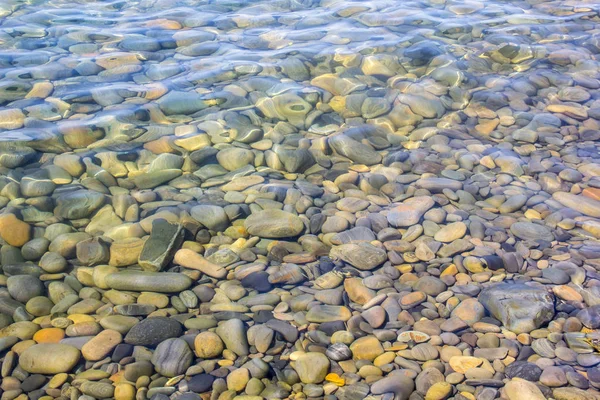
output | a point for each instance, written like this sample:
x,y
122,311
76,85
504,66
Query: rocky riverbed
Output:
x,y
395,200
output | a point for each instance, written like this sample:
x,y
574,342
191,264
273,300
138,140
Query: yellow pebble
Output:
x,y
124,391
439,391
532,214
49,335
335,379
57,380
78,318
385,358
225,363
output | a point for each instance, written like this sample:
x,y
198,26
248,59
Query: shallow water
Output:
x,y
91,74
315,177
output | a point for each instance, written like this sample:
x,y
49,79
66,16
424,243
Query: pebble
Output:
x,y
274,224
49,358
233,334
311,367
208,345
272,201
172,357
144,281
152,331
506,303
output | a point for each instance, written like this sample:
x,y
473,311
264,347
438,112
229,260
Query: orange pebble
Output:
x,y
592,193
49,335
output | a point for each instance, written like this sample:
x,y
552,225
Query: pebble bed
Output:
x,y
299,199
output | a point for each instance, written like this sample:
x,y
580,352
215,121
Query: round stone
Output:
x,y
208,345
49,358
152,331
172,357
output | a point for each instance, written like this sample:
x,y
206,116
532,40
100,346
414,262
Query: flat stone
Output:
x,y
201,383
410,211
366,348
78,204
462,364
362,255
398,384
213,217
590,317
143,281
101,345
274,224
521,308
356,151
585,205
451,232
192,260
469,311
49,358
531,231
152,331
521,390
523,370
165,239
172,357
14,231
325,313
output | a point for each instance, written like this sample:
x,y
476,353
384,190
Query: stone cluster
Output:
x,y
300,199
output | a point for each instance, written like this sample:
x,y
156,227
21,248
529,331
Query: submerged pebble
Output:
x,y
268,200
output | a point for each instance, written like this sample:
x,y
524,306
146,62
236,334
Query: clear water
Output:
x,y
89,74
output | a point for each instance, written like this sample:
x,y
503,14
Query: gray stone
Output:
x,y
151,331
590,316
233,334
143,281
361,255
398,384
172,357
166,238
24,287
410,211
356,151
212,217
274,224
78,204
531,231
521,308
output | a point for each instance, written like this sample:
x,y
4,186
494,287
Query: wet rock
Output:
x,y
152,331
362,255
78,204
521,308
274,223
311,367
410,211
49,358
233,334
172,357
165,239
142,281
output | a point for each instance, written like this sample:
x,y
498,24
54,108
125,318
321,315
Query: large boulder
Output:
x,y
520,308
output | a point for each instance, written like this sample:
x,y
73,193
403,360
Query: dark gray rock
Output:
x,y
152,331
